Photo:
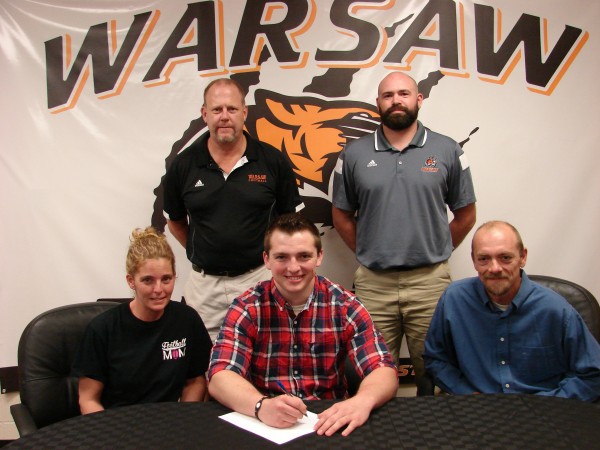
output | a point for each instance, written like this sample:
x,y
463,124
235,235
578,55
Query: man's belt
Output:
x,y
406,268
222,273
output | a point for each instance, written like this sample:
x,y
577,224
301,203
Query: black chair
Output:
x,y
45,354
579,297
115,300
352,377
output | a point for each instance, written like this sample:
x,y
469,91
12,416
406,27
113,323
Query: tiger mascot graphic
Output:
x,y
308,130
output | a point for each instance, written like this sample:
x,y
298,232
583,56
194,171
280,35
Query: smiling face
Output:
x,y
293,259
224,112
153,285
498,257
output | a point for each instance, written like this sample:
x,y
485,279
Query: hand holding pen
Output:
x,y
286,392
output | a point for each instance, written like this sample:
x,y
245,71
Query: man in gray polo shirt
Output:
x,y
390,193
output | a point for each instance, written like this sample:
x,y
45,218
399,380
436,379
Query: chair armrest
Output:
x,y
23,419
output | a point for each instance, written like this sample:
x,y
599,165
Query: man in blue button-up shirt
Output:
x,y
501,332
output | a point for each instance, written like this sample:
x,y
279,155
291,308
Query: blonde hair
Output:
x,y
147,244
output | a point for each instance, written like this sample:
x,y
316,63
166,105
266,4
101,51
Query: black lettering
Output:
x,y
274,33
96,46
369,35
205,50
447,45
527,31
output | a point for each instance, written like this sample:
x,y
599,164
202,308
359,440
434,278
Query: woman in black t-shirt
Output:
x,y
150,349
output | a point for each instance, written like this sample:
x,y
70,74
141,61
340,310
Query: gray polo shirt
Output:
x,y
401,196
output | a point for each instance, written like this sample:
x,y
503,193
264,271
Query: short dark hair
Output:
x,y
289,224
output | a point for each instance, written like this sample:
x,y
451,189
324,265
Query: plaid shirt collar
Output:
x,y
283,303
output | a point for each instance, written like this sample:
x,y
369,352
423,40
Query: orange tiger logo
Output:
x,y
308,130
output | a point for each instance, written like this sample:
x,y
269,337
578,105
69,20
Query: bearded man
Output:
x,y
391,192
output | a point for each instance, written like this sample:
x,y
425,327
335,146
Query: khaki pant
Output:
x,y
402,303
211,295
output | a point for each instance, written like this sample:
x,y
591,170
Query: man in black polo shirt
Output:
x,y
220,195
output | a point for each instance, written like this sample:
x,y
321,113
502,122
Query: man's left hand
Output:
x,y
348,412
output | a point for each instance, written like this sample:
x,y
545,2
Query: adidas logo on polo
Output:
x,y
372,164
199,183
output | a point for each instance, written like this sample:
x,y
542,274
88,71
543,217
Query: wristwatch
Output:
x,y
258,405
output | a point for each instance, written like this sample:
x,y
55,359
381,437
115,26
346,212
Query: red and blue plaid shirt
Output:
x,y
262,340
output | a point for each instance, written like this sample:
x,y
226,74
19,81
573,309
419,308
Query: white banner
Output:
x,y
98,96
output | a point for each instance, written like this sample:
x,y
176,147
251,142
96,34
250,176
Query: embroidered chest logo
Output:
x,y
174,349
430,165
257,178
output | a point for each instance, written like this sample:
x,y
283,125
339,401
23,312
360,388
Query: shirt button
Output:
x,y
507,385
503,362
295,372
501,339
400,162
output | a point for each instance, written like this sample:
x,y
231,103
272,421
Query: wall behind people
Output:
x,y
98,98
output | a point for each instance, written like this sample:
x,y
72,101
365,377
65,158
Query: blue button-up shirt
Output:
x,y
539,345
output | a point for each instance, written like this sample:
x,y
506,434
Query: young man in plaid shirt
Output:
x,y
292,334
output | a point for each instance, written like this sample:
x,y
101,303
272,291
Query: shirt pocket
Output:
x,y
536,364
322,345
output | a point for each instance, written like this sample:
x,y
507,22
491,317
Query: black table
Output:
x,y
442,422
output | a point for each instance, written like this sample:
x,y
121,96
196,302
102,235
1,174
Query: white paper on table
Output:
x,y
277,435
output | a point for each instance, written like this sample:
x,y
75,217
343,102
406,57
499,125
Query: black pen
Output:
x,y
285,391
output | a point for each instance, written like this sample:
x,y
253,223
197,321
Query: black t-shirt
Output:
x,y
143,362
229,217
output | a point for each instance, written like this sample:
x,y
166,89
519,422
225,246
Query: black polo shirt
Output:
x,y
229,216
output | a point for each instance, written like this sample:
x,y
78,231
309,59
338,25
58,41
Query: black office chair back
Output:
x,y
45,355
352,377
578,296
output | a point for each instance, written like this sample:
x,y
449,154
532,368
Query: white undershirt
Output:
x,y
243,160
298,308
501,307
